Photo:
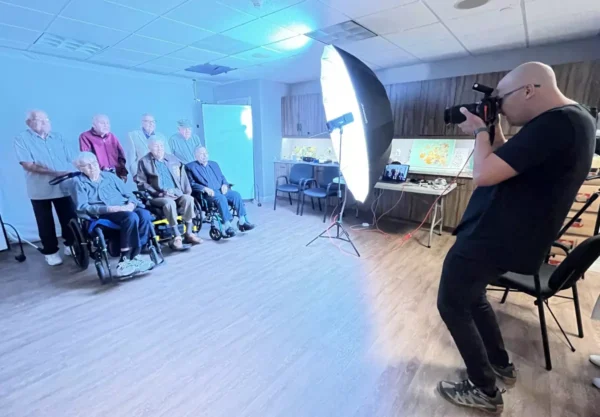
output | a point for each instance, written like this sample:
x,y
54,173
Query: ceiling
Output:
x,y
168,36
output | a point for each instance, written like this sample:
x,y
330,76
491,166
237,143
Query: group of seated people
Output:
x,y
172,182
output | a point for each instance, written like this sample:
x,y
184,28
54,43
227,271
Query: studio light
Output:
x,y
350,86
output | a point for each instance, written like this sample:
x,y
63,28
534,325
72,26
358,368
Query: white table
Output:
x,y
437,191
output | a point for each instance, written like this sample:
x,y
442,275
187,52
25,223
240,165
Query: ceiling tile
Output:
x,y
232,62
48,6
392,58
429,42
196,55
398,19
371,46
306,17
44,49
360,8
148,45
209,15
259,55
112,15
16,34
116,62
151,6
24,18
123,54
87,32
172,31
151,67
174,63
223,44
445,8
14,44
268,7
501,22
293,46
259,32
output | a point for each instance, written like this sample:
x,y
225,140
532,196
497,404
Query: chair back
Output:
x,y
575,264
327,176
300,172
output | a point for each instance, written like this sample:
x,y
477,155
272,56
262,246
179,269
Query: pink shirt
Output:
x,y
107,149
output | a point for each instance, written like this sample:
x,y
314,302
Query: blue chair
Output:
x,y
299,175
323,190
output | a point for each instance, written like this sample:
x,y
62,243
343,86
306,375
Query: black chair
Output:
x,y
299,175
550,280
323,190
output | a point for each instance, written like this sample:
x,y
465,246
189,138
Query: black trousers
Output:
x,y
65,210
135,227
464,307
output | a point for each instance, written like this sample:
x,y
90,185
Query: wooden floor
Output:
x,y
262,326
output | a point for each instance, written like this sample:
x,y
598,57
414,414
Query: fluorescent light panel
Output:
x,y
341,33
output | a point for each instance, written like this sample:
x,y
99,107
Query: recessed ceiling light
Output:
x,y
469,4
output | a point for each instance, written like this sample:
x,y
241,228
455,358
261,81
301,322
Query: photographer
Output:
x,y
525,188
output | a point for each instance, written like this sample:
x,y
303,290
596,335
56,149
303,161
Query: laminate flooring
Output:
x,y
262,326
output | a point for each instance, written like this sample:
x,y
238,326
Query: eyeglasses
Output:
x,y
46,120
501,99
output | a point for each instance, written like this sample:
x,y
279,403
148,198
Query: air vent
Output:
x,y
209,69
341,33
68,44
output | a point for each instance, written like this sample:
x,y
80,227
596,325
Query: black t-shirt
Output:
x,y
512,225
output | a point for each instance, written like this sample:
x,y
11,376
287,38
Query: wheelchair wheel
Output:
x,y
101,273
156,255
215,234
79,248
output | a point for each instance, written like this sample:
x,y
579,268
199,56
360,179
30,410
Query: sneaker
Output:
x,y
176,243
53,259
230,232
465,394
67,251
192,239
595,359
245,227
141,264
507,374
125,268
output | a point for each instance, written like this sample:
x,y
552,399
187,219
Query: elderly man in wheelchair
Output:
x,y
208,182
101,198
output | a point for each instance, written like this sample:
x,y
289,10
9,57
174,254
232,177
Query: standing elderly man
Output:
x,y
139,142
525,189
101,194
184,143
164,177
206,177
104,144
44,155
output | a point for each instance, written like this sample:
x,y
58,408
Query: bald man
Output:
x,y
100,141
525,188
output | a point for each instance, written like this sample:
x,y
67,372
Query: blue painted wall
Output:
x,y
72,93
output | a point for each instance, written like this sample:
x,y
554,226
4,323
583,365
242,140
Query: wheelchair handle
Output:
x,y
65,177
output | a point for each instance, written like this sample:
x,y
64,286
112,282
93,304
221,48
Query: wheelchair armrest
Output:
x,y
59,179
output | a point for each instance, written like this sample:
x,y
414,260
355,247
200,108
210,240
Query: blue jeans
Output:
x,y
135,227
222,202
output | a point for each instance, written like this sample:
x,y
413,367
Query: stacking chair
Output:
x,y
299,175
551,279
323,190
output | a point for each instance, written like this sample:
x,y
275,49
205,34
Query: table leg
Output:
x,y
435,209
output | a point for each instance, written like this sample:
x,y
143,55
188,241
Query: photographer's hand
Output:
x,y
472,123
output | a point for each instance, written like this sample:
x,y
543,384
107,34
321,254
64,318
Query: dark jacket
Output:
x,y
147,177
197,180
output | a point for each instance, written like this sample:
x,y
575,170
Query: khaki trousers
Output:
x,y
183,205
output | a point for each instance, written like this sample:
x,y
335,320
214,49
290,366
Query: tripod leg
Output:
x,y
321,235
435,209
349,240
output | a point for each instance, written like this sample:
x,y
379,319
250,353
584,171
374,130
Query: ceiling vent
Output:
x,y
68,44
341,33
209,69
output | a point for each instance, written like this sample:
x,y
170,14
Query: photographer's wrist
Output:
x,y
480,130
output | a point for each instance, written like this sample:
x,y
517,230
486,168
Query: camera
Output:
x,y
487,109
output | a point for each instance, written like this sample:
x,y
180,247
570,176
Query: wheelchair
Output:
x,y
97,239
162,229
210,215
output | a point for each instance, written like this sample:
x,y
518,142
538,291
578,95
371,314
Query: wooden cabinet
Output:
x,y
303,116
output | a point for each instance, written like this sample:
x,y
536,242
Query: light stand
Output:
x,y
339,123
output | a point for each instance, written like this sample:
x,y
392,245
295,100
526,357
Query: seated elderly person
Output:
x,y
164,177
206,177
102,194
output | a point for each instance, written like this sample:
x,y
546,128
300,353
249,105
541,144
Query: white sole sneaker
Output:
x,y
54,259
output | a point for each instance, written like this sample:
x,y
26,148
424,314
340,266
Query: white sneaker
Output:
x,y
126,268
596,382
141,264
53,259
67,251
595,359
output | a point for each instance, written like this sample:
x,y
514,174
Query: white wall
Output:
x,y
265,97
72,93
582,50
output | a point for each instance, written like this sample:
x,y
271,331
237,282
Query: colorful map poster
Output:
x,y
432,153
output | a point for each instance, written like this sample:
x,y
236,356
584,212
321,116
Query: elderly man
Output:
x,y
139,142
164,177
525,188
101,194
184,142
104,144
206,177
44,155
